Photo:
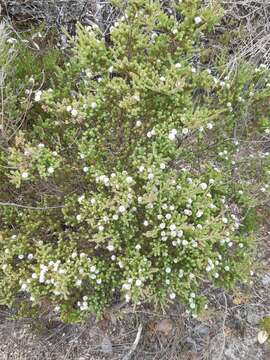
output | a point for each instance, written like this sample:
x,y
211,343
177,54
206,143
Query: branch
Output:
x,y
135,344
30,207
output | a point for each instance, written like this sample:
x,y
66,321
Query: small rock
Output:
x,y
253,318
266,279
262,337
191,344
165,327
229,354
202,330
106,345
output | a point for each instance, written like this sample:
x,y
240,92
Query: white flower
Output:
x,y
69,108
11,41
121,209
38,95
110,247
192,305
225,220
25,175
115,217
50,170
93,105
74,255
172,134
140,199
79,217
203,186
138,123
93,201
100,228
187,212
168,270
85,169
226,268
178,65
23,287
162,79
172,296
209,126
168,216
174,31
185,242
78,282
99,281
180,233
172,227
74,112
81,198
162,226
141,168
138,282
138,247
21,256
110,69
199,213
197,20
145,223
150,176
136,97
129,179
93,268
126,286
162,166
185,131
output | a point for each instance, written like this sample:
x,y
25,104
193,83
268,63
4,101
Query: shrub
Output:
x,y
127,179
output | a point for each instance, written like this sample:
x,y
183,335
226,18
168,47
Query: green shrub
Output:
x,y
127,180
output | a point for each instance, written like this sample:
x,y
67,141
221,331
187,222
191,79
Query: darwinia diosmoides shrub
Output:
x,y
125,175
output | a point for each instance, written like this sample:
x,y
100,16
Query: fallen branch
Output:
x,y
135,344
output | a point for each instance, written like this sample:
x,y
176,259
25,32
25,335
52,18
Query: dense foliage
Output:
x,y
122,174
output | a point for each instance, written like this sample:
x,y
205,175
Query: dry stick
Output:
x,y
223,326
30,207
135,344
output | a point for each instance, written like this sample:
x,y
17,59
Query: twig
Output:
x,y
30,207
223,327
135,344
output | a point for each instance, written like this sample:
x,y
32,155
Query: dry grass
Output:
x,y
254,17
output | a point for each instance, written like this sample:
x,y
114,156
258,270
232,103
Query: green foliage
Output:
x,y
126,178
265,324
